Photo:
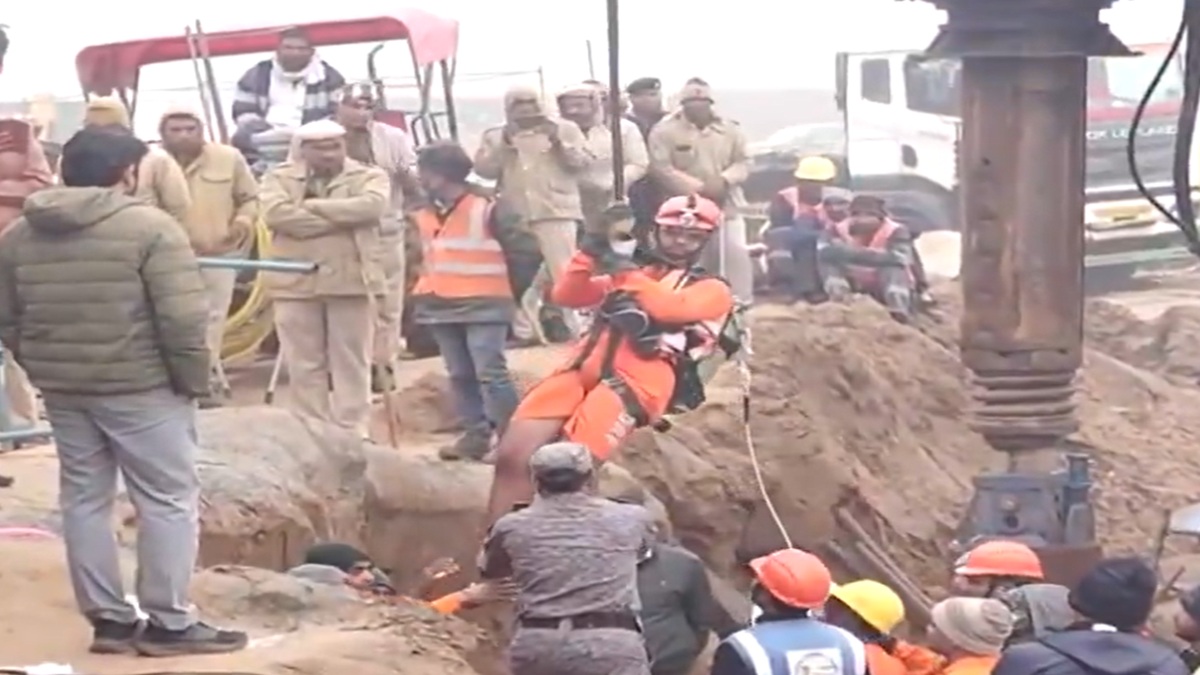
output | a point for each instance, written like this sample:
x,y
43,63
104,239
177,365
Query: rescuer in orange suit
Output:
x,y
654,322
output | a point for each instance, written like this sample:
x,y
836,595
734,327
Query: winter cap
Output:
x,y
105,111
320,130
1118,592
561,457
978,626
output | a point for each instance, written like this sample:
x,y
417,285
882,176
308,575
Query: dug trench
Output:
x,y
859,428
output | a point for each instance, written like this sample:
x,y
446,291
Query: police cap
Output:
x,y
644,85
560,458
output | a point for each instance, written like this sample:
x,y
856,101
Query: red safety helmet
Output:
x,y
689,211
1000,558
794,577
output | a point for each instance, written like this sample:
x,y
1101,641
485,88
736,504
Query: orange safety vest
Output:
x,y
792,197
880,662
462,257
866,276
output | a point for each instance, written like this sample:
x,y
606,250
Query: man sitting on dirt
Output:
x,y
872,254
292,89
337,563
797,220
1113,602
121,359
573,557
653,327
789,586
464,295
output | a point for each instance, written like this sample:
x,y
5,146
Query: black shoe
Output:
x,y
114,637
199,638
474,444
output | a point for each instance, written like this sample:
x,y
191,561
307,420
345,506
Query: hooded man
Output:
x,y
694,151
161,181
536,162
120,359
1112,603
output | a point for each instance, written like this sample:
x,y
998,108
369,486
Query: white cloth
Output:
x,y
288,91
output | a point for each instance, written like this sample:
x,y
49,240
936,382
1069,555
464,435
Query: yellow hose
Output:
x,y
251,322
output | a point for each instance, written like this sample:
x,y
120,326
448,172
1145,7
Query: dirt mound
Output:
x,y
333,637
851,409
1168,345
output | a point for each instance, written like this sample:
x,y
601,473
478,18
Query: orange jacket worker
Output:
x,y
648,321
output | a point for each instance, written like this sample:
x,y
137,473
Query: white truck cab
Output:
x,y
902,124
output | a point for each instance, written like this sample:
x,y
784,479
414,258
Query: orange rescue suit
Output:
x,y
462,258
595,414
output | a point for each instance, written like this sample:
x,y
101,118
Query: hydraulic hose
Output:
x,y
251,322
1185,218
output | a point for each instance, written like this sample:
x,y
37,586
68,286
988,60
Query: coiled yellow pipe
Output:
x,y
251,322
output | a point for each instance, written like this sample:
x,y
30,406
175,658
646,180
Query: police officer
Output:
x,y
786,639
574,559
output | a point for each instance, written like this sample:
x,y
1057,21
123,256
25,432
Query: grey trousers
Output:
x,y
150,438
599,651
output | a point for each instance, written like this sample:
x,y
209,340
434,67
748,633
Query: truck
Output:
x,y
901,117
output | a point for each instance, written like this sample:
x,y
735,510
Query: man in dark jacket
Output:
x,y
102,303
292,89
1113,601
678,608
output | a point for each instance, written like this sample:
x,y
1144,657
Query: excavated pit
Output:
x,y
851,411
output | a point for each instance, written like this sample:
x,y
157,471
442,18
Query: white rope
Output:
x,y
743,366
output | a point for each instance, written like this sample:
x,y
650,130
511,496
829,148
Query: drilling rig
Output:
x,y
1021,176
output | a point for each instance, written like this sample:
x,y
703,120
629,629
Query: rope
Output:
x,y
743,366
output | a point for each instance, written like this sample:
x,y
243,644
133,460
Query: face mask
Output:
x,y
624,248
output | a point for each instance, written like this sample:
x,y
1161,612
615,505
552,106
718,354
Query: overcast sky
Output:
x,y
747,43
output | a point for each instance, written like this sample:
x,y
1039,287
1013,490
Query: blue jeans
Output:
x,y
482,387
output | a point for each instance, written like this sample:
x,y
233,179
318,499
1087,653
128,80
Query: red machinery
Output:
x,y
114,69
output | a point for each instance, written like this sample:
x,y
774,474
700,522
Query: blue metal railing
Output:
x,y
11,435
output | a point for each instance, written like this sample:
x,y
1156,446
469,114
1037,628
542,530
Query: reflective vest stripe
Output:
x,y
878,242
462,259
752,652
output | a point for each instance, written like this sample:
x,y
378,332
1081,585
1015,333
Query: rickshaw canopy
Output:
x,y
105,68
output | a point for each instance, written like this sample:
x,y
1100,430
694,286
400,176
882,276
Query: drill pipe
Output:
x,y
1022,172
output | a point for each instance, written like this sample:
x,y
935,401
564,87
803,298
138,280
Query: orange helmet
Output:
x,y
1000,558
796,578
689,211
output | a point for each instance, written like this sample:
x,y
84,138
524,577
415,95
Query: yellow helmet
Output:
x,y
876,604
816,168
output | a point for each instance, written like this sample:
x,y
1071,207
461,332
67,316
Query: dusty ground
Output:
x,y
849,410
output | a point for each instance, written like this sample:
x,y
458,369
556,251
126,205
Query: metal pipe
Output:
x,y
293,266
